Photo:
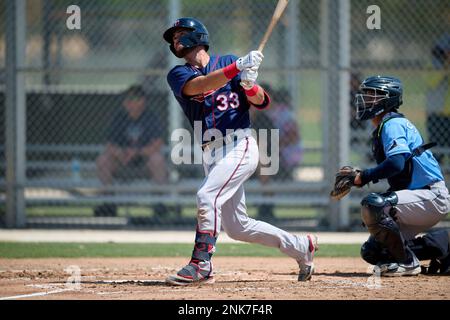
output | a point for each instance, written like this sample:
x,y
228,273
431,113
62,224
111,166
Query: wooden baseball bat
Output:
x,y
281,5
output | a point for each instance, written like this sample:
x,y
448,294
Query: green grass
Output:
x,y
134,211
11,250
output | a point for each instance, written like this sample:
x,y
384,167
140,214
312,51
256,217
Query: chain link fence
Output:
x,y
93,96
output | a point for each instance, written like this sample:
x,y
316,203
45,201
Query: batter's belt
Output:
x,y
235,136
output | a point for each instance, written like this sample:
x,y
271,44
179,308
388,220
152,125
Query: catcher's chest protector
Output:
x,y
402,180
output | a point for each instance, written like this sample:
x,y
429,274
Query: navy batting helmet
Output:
x,y
378,94
198,35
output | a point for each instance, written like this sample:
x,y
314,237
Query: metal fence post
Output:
x,y
324,102
15,114
292,40
335,43
174,108
344,102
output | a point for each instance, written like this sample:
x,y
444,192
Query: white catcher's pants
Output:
x,y
221,199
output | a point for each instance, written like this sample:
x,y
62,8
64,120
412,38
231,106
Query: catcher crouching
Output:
x,y
417,198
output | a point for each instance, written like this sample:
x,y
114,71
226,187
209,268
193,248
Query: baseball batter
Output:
x,y
417,198
218,92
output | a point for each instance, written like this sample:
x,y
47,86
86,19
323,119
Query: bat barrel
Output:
x,y
276,16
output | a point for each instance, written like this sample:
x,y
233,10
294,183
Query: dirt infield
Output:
x,y
236,278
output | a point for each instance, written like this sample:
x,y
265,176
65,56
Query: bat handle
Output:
x,y
262,45
267,35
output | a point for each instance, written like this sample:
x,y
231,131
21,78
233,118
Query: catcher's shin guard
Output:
x,y
381,225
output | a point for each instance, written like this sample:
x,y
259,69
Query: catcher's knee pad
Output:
x,y
381,225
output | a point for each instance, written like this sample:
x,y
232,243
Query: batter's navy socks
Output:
x,y
200,268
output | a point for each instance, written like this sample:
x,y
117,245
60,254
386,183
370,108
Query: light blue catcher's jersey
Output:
x,y
398,136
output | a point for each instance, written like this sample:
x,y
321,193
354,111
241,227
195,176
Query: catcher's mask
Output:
x,y
376,95
197,36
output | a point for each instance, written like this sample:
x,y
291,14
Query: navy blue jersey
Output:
x,y
224,108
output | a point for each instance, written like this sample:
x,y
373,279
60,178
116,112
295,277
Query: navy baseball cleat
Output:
x,y
192,274
307,267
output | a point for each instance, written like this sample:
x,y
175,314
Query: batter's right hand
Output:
x,y
253,59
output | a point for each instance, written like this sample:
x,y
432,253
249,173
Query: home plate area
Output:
x,y
236,278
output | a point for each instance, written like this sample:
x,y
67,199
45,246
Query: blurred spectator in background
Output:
x,y
284,119
438,96
278,116
134,143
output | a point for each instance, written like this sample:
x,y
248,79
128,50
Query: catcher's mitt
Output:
x,y
345,180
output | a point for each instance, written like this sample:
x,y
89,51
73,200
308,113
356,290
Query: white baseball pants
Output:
x,y
221,199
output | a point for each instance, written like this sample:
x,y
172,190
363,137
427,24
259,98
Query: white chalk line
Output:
x,y
52,285
36,294
129,281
